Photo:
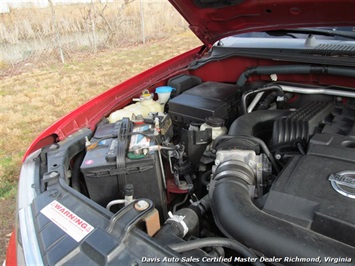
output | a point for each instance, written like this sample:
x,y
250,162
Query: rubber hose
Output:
x,y
269,99
341,71
75,179
216,242
248,124
295,69
243,103
205,180
268,70
238,218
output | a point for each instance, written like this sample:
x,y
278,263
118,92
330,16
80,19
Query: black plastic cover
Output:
x,y
182,83
342,123
302,123
303,195
116,239
186,108
208,99
214,121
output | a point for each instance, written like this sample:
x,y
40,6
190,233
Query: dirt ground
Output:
x,y
7,215
35,98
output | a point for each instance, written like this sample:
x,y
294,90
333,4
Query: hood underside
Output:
x,y
212,20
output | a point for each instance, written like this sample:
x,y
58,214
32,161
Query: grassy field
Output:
x,y
33,100
61,31
124,19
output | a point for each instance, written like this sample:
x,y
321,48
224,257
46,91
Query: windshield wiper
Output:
x,y
313,31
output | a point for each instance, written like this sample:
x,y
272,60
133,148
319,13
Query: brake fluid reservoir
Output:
x,y
216,124
144,106
163,95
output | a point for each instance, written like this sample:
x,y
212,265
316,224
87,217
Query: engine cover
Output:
x,y
303,194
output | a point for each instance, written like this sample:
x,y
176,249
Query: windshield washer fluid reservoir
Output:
x,y
143,107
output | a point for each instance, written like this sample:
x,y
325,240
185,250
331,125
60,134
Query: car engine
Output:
x,y
268,164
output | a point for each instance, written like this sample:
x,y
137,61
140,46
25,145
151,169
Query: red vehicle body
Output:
x,y
89,114
278,187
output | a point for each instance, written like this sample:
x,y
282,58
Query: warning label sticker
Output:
x,y
68,221
139,141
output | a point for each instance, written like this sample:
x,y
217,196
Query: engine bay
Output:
x,y
267,163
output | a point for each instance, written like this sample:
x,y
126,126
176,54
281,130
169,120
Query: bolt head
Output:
x,y
53,174
141,205
54,193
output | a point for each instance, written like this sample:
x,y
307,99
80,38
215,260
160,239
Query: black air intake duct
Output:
x,y
238,218
257,123
302,123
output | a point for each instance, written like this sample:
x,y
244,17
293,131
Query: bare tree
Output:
x,y
113,28
57,41
142,20
93,25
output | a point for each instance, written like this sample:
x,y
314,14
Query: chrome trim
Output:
x,y
344,178
255,101
26,194
311,90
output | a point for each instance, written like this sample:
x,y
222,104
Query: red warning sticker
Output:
x,y
68,221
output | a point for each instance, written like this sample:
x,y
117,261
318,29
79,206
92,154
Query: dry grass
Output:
x,y
36,90
34,99
37,35
38,23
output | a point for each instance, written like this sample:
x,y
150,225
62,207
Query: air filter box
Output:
x,y
208,99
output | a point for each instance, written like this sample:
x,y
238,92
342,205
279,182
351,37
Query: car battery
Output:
x,y
106,175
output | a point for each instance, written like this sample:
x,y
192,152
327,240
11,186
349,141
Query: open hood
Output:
x,y
212,20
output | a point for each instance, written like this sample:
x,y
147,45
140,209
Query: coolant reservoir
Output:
x,y
147,101
143,107
216,124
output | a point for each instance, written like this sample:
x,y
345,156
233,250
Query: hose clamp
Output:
x,y
179,220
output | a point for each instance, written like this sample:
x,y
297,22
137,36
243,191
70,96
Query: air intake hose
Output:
x,y
257,124
238,218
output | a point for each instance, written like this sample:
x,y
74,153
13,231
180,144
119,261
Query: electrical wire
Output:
x,y
180,203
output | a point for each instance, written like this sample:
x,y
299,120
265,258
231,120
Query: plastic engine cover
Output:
x,y
303,193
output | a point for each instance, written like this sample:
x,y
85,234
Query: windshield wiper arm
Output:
x,y
314,31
